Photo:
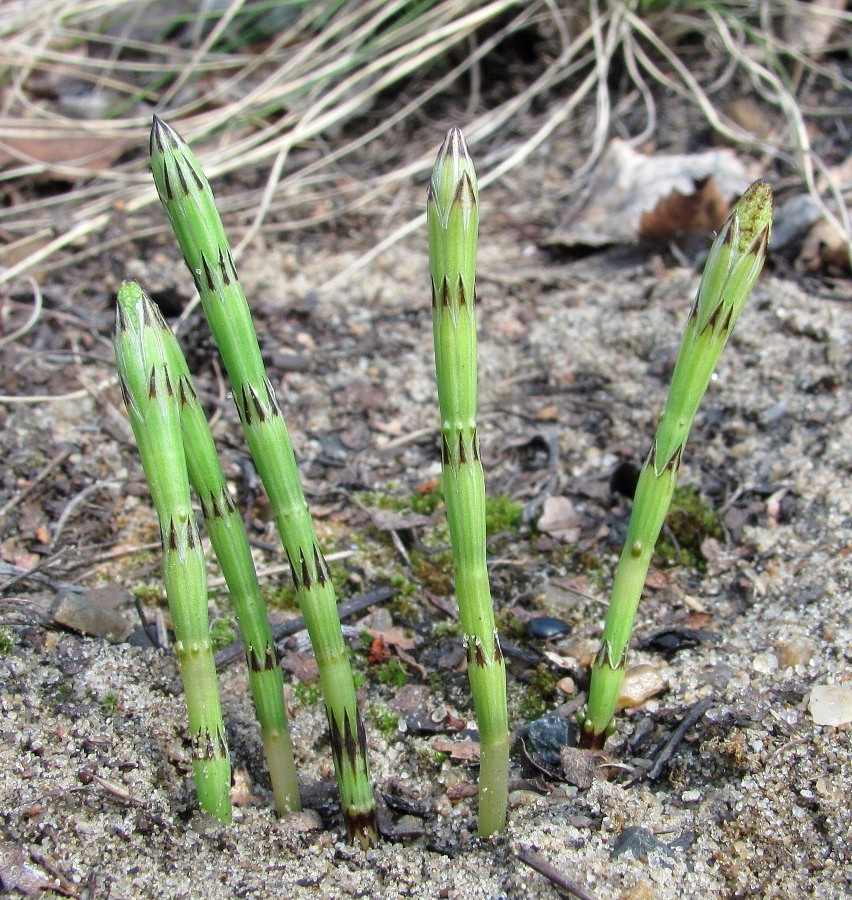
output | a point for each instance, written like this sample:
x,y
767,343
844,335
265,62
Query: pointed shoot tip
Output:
x,y
162,134
454,175
130,293
753,212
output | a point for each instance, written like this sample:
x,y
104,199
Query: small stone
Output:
x,y
765,663
640,891
545,627
548,735
379,619
284,361
443,806
567,686
690,796
640,684
583,650
674,638
624,478
519,799
452,657
638,842
774,413
72,656
410,699
831,704
17,875
579,821
719,675
559,519
306,820
406,826
795,652
388,520
580,767
86,614
205,825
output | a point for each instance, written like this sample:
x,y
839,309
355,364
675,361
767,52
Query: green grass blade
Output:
x,y
453,219
231,546
149,394
188,201
735,261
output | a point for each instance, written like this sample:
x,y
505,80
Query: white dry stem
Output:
x,y
315,75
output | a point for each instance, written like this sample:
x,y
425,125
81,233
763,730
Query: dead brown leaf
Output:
x,y
64,154
379,652
411,662
657,579
395,637
301,665
464,751
698,619
568,663
703,210
388,520
637,196
823,249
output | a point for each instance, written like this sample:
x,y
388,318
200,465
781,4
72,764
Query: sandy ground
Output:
x,y
96,798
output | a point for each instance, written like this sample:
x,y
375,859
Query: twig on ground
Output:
x,y
349,607
554,876
31,319
54,463
36,573
73,503
668,750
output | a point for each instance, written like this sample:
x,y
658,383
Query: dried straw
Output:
x,y
301,104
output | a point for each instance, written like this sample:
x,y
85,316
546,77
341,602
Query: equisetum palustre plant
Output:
x,y
149,395
452,213
176,449
735,261
188,201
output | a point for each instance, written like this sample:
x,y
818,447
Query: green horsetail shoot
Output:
x,y
735,261
453,223
150,395
231,545
188,201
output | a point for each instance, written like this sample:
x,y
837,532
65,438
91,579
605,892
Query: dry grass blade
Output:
x,y
300,102
794,142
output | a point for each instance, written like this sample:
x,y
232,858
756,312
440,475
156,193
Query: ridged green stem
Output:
x,y
188,202
150,397
453,218
231,545
735,261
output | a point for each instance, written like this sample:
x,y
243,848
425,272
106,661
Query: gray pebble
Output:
x,y
545,627
548,735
